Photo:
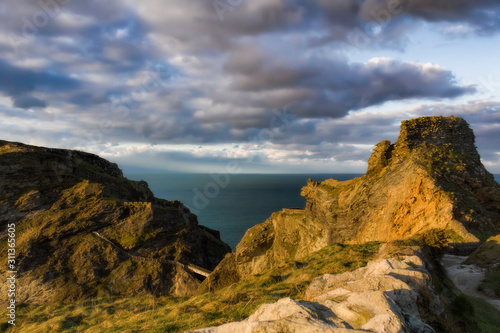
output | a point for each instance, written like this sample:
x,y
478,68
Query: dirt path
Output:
x,y
467,277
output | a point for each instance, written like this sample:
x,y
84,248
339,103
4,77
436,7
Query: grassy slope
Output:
x,y
167,314
238,301
487,317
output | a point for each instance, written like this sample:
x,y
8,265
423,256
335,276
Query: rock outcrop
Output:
x,y
488,254
431,181
384,297
83,230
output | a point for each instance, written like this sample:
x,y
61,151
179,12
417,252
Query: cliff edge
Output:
x,y
430,184
83,230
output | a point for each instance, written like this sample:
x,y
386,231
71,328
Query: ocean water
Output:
x,y
232,204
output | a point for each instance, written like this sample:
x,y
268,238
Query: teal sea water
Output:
x,y
234,203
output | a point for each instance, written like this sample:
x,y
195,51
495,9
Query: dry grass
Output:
x,y
167,314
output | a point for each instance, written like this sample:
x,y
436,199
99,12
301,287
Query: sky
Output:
x,y
245,86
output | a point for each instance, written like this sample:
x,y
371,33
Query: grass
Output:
x,y
492,281
443,158
484,314
238,301
488,256
463,314
439,239
168,314
129,239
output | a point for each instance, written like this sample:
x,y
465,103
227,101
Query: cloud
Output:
x,y
100,47
481,15
28,101
84,67
332,88
195,27
20,83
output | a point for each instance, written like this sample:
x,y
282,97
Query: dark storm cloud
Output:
x,y
27,101
346,11
19,83
383,22
482,14
109,33
333,88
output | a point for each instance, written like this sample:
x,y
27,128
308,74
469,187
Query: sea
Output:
x,y
234,203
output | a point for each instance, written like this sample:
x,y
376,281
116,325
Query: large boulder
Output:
x,y
381,297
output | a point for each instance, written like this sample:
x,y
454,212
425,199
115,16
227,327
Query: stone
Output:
x,y
286,315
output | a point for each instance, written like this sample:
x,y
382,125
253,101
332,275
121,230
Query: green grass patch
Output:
x,y
485,315
492,281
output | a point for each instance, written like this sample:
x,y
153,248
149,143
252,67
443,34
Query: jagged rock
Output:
x,y
81,228
286,315
381,297
381,156
429,184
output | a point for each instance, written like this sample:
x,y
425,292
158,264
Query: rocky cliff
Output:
x,y
430,184
83,230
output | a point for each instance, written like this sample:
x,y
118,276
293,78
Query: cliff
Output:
x,y
430,185
83,230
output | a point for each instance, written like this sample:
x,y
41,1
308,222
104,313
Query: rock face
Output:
x,y
381,297
430,181
83,230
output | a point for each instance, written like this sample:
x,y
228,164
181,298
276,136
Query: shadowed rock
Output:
x,y
83,230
